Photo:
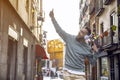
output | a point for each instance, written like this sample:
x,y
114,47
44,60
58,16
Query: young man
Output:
x,y
76,51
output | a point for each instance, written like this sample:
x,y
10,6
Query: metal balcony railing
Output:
x,y
92,7
85,9
107,39
99,8
107,2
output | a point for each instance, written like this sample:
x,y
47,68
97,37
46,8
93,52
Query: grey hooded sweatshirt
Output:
x,y
75,51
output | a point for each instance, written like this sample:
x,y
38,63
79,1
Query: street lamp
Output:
x,y
40,20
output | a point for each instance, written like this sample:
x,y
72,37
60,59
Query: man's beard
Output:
x,y
80,38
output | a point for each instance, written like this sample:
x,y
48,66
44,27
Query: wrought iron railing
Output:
x,y
99,7
92,7
107,2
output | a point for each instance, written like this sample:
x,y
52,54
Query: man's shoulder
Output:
x,y
72,37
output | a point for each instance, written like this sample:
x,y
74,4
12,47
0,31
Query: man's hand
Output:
x,y
94,47
51,14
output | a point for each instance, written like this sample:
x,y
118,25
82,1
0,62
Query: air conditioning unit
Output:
x,y
104,78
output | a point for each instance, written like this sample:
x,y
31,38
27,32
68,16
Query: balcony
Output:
x,y
110,47
85,8
40,18
80,20
100,8
92,7
100,11
107,2
108,42
87,24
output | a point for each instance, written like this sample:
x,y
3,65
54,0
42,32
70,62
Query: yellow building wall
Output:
x,y
55,49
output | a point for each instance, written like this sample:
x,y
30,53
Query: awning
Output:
x,y
40,52
103,53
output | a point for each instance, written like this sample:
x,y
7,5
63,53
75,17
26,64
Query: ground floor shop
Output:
x,y
106,68
109,66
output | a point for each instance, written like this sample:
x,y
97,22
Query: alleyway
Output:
x,y
48,78
25,49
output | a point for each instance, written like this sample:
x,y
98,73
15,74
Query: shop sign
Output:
x,y
25,42
12,33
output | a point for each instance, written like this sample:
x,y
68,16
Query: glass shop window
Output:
x,y
104,67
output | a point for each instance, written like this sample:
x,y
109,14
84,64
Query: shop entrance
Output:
x,y
117,67
12,59
25,54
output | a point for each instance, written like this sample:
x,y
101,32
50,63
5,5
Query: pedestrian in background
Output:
x,y
76,51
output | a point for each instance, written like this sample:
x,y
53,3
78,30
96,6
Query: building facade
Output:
x,y
109,28
104,23
56,50
19,34
86,20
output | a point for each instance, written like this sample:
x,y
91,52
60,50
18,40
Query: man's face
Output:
x,y
82,33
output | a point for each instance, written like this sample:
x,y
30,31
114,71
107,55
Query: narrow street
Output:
x,y
28,49
49,78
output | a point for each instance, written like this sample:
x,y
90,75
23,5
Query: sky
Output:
x,y
66,13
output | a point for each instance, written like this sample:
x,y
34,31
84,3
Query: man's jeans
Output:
x,y
70,76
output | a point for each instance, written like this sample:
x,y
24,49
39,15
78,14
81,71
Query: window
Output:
x,y
91,6
94,28
27,6
104,67
101,31
114,28
25,55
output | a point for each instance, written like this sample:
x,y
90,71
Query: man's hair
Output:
x,y
89,31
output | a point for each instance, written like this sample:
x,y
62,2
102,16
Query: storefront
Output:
x,y
12,59
40,57
25,58
104,68
115,65
109,65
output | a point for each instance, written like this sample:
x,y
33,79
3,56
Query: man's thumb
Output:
x,y
52,10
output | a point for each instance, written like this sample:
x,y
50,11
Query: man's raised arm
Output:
x,y
58,29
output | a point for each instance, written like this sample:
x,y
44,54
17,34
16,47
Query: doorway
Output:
x,y
117,67
25,54
12,59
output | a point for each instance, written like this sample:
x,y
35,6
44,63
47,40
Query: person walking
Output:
x,y
76,51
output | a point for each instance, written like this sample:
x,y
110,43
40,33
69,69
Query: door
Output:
x,y
112,71
117,67
25,54
12,59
